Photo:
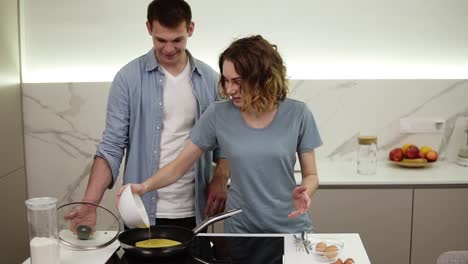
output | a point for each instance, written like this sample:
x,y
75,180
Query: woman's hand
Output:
x,y
136,188
301,201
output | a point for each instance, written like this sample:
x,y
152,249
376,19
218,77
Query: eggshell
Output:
x,y
320,247
331,252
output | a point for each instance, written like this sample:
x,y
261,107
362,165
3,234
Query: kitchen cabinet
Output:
x,y
403,215
440,223
409,224
382,217
14,243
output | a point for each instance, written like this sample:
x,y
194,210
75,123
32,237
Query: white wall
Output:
x,y
88,40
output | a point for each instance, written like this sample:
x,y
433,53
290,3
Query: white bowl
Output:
x,y
132,209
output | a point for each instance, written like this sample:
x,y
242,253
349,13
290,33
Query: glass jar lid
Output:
x,y
87,226
41,203
367,140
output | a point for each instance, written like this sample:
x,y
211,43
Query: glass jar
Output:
x,y
462,159
367,155
43,236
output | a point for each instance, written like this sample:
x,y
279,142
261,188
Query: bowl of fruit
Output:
x,y
410,156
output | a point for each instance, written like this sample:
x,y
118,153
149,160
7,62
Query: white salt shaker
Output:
x,y
43,235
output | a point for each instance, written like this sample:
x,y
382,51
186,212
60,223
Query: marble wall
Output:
x,y
63,123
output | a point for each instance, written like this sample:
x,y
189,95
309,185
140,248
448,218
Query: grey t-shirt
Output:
x,y
261,163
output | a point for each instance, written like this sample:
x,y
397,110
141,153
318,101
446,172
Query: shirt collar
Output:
x,y
152,63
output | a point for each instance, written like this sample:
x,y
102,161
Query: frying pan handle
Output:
x,y
215,218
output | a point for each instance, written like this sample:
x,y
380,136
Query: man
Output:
x,y
154,102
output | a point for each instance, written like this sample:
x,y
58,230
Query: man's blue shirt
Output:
x,y
134,122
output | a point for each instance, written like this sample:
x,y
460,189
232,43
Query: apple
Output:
x,y
396,154
412,152
405,147
431,156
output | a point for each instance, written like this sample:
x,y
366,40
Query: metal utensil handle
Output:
x,y
215,218
304,241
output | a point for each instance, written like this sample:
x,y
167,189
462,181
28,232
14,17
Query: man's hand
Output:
x,y
301,202
216,191
83,214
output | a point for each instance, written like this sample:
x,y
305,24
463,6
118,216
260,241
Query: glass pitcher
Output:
x,y
43,236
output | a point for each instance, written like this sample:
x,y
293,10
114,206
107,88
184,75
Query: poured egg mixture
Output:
x,y
157,243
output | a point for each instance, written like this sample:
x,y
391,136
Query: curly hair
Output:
x,y
262,71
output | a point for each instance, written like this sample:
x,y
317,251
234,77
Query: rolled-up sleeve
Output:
x,y
115,135
217,153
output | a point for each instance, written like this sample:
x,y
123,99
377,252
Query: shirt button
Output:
x,y
160,103
157,127
160,80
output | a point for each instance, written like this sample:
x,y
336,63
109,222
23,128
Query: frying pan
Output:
x,y
128,238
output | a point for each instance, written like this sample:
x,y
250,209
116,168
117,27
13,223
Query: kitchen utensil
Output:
x,y
301,243
183,235
132,209
305,242
297,243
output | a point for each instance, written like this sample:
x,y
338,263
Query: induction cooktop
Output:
x,y
221,249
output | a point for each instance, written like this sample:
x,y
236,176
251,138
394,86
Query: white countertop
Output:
x,y
344,174
97,256
353,247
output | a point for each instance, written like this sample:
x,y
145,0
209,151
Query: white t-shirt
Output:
x,y
180,107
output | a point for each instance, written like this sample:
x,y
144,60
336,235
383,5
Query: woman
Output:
x,y
259,131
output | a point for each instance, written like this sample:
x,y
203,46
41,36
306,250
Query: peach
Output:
x,y
431,156
396,154
422,155
412,152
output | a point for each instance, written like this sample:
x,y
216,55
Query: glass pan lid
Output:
x,y
86,226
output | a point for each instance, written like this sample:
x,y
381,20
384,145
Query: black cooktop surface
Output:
x,y
220,249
